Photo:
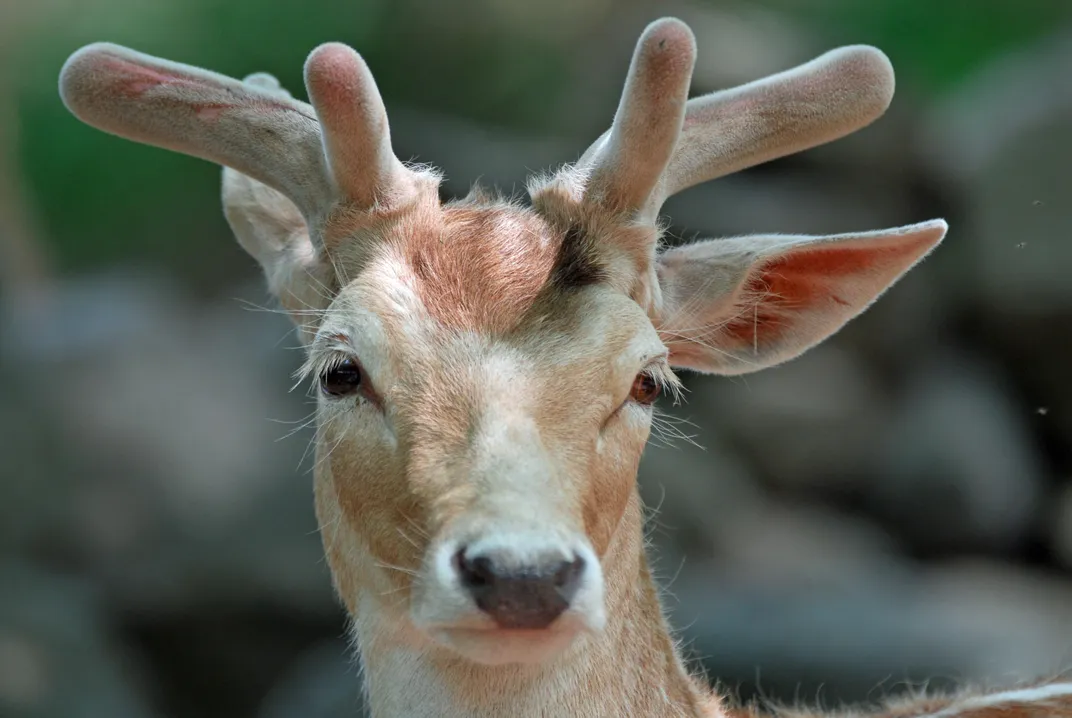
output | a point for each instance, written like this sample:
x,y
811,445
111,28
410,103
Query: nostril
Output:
x,y
568,576
476,572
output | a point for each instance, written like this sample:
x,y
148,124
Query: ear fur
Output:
x,y
272,229
732,306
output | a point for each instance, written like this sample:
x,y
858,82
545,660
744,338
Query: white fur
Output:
x,y
1040,694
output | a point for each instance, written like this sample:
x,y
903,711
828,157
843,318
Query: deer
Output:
x,y
486,367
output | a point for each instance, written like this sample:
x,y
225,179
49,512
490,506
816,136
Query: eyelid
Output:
x,y
336,341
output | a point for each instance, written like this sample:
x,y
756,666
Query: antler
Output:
x,y
338,149
723,132
356,135
834,95
625,164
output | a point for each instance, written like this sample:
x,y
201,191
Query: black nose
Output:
x,y
530,596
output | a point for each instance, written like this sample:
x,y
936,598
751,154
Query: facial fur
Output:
x,y
497,375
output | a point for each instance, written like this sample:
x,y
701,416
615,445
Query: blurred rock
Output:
x,y
56,659
170,414
803,201
695,492
957,623
808,546
706,507
1062,527
322,683
812,421
1003,140
958,468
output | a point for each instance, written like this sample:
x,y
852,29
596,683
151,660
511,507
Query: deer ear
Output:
x,y
271,228
732,306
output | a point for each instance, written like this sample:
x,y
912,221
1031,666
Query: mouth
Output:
x,y
498,646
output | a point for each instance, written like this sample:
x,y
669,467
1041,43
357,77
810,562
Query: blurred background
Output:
x,y
894,507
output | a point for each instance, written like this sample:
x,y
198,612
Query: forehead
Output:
x,y
481,269
501,273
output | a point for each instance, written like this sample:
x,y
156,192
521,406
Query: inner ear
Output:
x,y
778,290
738,305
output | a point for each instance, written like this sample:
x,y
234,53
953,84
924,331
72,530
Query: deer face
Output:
x,y
485,394
486,370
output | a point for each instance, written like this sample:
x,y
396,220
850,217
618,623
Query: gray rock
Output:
x,y
707,508
812,422
322,683
56,658
1003,140
1062,527
958,623
959,468
177,478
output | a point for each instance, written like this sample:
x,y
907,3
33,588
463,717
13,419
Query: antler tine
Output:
x,y
625,164
251,127
835,94
357,138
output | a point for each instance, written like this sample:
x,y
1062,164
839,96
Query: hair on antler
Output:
x,y
657,148
336,150
623,167
252,128
835,94
354,121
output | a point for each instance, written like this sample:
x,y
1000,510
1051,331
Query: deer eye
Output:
x,y
645,389
341,378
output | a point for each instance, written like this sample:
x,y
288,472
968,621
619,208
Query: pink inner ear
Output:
x,y
808,280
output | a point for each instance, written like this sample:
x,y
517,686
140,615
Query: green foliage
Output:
x,y
934,44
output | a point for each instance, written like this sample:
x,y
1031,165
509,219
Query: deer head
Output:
x,y
487,368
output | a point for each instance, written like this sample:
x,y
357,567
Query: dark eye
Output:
x,y
645,389
341,378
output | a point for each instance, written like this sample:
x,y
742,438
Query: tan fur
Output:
x,y
480,268
498,345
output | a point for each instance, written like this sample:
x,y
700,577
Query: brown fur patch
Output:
x,y
623,248
483,267
577,264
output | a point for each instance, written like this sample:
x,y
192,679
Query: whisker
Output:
x,y
400,569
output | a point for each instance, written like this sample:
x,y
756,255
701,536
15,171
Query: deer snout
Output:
x,y
530,594
506,593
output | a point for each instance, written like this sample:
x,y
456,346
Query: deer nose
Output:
x,y
528,596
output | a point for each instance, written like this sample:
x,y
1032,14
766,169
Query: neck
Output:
x,y
630,668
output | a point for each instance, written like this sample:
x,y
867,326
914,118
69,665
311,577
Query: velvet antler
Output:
x,y
336,150
660,145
